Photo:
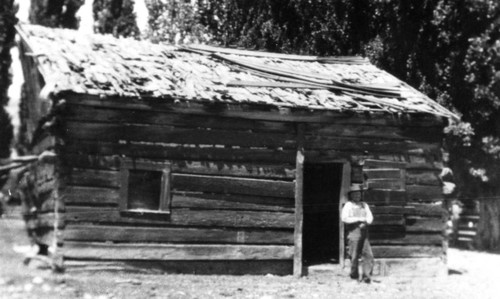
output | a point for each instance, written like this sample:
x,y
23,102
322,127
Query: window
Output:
x,y
145,187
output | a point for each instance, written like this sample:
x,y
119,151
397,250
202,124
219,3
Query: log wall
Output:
x,y
233,174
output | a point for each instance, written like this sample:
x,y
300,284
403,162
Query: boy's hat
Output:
x,y
356,187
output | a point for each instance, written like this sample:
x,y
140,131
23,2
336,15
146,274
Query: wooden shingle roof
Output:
x,y
103,65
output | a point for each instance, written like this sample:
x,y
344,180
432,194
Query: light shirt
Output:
x,y
353,212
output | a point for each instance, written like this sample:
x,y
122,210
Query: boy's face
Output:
x,y
356,196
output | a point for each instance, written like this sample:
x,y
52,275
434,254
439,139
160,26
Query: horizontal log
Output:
x,y
93,178
271,171
415,177
406,251
383,164
386,184
385,197
224,267
419,224
90,195
84,113
388,220
231,202
130,234
398,210
429,134
167,134
382,173
232,185
255,111
175,252
180,152
184,217
429,209
372,145
420,193
405,239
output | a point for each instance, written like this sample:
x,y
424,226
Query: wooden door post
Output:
x,y
299,213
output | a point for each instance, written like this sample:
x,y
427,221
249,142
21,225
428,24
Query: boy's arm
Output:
x,y
369,215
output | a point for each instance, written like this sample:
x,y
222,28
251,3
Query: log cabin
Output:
x,y
205,159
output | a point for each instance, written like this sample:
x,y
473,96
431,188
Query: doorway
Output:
x,y
321,199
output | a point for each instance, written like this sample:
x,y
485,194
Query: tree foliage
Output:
x,y
55,13
7,21
115,17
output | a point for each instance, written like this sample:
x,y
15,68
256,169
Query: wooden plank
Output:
x,y
180,152
299,208
385,197
232,185
421,193
257,170
344,197
386,184
225,267
382,173
131,234
175,252
428,134
85,113
93,178
183,217
398,210
231,202
255,111
406,251
405,239
419,224
90,195
384,220
429,209
168,134
415,177
367,144
382,164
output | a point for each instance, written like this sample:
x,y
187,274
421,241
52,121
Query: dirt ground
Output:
x,y
471,275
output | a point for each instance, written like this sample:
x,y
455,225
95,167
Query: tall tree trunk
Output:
x,y
7,21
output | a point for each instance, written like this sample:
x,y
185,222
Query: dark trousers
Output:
x,y
359,248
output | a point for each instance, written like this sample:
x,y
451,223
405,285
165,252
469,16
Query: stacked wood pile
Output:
x,y
231,153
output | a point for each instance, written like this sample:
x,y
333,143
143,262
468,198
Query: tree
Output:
x,y
55,13
176,21
115,17
7,22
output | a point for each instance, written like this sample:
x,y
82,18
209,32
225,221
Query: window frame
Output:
x,y
165,199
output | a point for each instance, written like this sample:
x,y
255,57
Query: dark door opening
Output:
x,y
322,183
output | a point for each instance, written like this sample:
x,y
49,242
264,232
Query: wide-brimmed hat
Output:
x,y
356,187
